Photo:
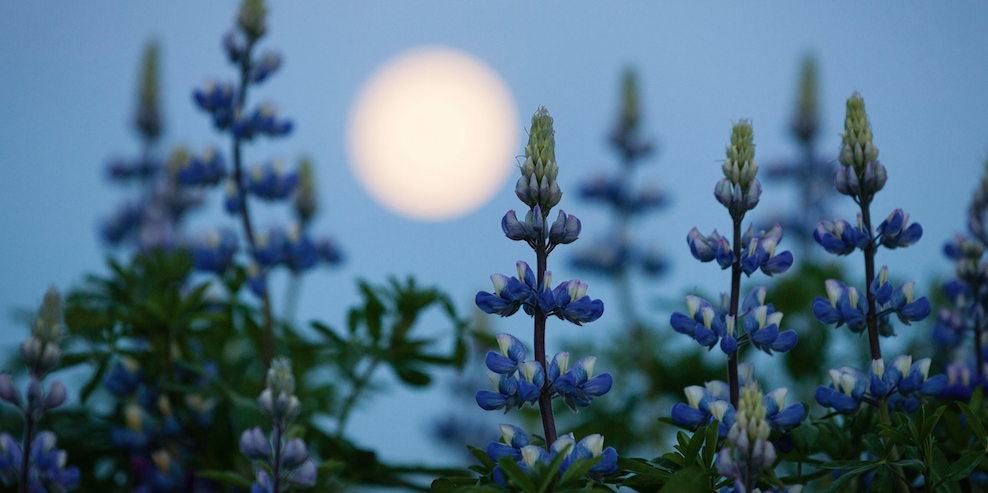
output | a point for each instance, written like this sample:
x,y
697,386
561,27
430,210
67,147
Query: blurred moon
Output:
x,y
432,133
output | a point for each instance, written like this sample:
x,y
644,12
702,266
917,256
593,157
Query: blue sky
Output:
x,y
68,76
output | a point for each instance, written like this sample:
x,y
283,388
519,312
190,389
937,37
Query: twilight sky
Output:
x,y
68,77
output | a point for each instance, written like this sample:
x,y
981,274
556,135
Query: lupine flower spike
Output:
x,y
34,463
756,322
516,380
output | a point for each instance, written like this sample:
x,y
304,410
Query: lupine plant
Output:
x,y
616,255
517,381
33,463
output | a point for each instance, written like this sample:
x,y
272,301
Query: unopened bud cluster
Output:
x,y
861,174
739,190
752,452
285,462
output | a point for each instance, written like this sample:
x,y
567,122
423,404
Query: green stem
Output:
x,y
358,386
869,255
545,400
732,360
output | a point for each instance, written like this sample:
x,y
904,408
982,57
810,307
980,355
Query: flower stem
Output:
x,y
975,292
545,399
869,254
268,349
276,467
28,438
732,360
358,386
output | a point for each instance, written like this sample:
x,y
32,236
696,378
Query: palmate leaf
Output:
x,y
849,475
513,474
974,423
692,479
227,477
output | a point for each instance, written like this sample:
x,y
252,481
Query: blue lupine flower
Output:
x,y
255,445
218,101
204,170
842,305
839,237
269,247
590,447
515,439
846,391
256,279
301,253
918,380
329,252
48,466
612,255
512,354
894,233
263,120
762,324
11,458
565,229
704,323
271,181
578,385
233,200
759,252
961,381
142,168
780,416
512,392
901,300
569,301
215,253
124,223
713,247
123,378
509,293
264,66
704,406
616,192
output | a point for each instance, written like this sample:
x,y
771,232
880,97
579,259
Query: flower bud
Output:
x,y
254,445
752,195
294,454
8,391
148,119
857,146
305,475
513,228
724,192
306,201
251,18
740,167
806,121
56,396
565,229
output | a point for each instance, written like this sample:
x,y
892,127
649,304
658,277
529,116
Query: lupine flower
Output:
x,y
839,237
123,378
329,252
256,279
739,191
842,305
578,385
512,353
703,323
759,252
509,293
216,100
269,247
569,302
895,233
232,200
565,229
301,253
590,447
780,416
207,169
123,224
707,248
611,255
961,381
215,252
895,382
306,200
696,411
537,185
514,439
271,181
264,66
263,121
140,169
510,392
615,191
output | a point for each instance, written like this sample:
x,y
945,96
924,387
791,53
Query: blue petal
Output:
x,y
565,383
492,304
934,386
687,416
529,392
843,403
705,336
728,344
778,264
765,335
608,463
790,416
489,400
917,310
785,342
824,312
599,385
500,364
496,450
682,323
824,395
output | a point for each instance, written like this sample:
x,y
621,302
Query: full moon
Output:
x,y
432,134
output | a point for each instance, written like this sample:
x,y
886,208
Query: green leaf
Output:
x,y
639,466
874,445
226,477
442,485
896,435
882,482
806,437
710,445
553,470
577,470
95,381
847,465
694,446
691,479
513,472
963,467
328,333
413,377
849,475
482,457
930,423
974,423
914,464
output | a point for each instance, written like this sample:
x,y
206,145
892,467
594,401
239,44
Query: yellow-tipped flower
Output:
x,y
252,18
857,149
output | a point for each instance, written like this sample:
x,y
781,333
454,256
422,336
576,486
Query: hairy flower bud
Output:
x,y
806,122
254,444
294,454
537,185
740,167
147,117
306,201
56,396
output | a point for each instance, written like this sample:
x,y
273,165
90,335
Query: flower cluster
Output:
x,y
861,176
751,452
616,254
517,381
35,463
710,403
757,250
901,384
279,462
759,324
845,305
567,301
514,445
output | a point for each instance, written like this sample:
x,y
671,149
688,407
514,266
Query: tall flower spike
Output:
x,y
537,185
147,117
806,121
739,190
857,148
